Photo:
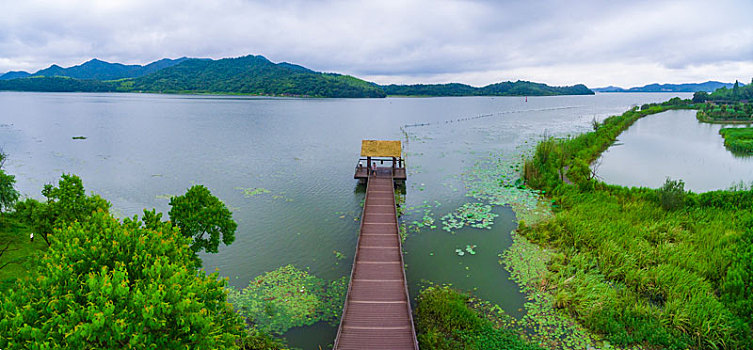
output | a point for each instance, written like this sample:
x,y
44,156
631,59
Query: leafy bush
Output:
x,y
672,194
444,320
65,204
8,193
204,218
105,284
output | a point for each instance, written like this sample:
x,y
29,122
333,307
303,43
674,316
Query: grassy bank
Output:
x,y
738,140
660,268
448,319
17,250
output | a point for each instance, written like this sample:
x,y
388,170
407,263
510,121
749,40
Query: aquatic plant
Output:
x,y
252,191
289,297
476,215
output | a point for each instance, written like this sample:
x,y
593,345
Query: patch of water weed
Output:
x,y
496,180
476,215
427,221
469,248
289,297
338,255
252,191
249,192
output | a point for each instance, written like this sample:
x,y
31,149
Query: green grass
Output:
x,y
448,319
738,140
16,260
662,268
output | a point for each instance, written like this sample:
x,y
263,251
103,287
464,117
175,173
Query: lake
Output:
x,y
673,144
140,149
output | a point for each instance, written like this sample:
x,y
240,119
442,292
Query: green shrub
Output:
x,y
445,320
672,194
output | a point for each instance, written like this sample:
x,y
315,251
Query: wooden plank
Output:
x,y
377,313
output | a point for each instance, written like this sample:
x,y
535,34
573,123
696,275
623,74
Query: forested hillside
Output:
x,y
251,75
518,88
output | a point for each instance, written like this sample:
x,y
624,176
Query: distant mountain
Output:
x,y
609,88
56,84
693,87
101,70
14,75
451,89
243,75
251,75
518,88
254,75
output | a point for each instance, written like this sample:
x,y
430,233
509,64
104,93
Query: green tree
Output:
x,y
204,218
104,284
8,194
700,97
65,204
672,194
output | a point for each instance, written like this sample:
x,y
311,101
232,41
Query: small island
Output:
x,y
738,140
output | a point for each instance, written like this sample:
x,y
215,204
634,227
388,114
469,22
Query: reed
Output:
x,y
660,267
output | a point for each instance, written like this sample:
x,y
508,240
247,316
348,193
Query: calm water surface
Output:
x,y
140,149
673,144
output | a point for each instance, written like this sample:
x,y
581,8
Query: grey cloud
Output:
x,y
402,39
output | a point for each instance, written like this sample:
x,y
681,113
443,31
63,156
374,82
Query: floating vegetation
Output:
x,y
469,248
282,196
289,297
164,196
339,255
543,323
461,252
79,137
252,191
477,215
427,221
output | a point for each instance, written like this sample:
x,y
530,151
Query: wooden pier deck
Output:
x,y
377,313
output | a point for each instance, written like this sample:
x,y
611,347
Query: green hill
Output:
x,y
518,88
690,87
56,84
14,75
101,70
251,75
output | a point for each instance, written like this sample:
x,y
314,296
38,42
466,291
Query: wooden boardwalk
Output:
x,y
377,313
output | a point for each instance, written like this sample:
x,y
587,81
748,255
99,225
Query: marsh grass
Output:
x,y
660,268
738,140
449,319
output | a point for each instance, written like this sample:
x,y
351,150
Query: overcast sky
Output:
x,y
597,42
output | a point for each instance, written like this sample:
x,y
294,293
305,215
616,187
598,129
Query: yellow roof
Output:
x,y
378,148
